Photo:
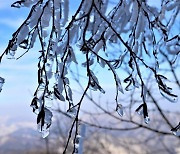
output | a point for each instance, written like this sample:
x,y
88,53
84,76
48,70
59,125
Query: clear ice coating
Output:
x,y
11,54
176,130
120,109
72,112
43,130
45,133
170,97
146,120
177,133
141,113
49,101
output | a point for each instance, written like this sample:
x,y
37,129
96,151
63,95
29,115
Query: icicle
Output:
x,y
44,32
74,33
119,109
120,88
44,120
119,13
57,4
86,6
45,133
65,12
58,94
69,93
140,25
94,83
43,130
57,21
35,16
33,39
46,17
134,13
142,111
23,34
98,46
48,101
72,56
14,47
146,119
102,63
141,44
11,54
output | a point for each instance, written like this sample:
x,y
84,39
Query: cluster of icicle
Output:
x,y
92,28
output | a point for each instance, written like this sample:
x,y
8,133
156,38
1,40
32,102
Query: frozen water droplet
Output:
x,y
176,130
102,90
142,111
146,120
177,133
120,110
45,133
170,97
11,54
44,130
72,112
49,101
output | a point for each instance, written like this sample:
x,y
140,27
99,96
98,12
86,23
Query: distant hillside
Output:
x,y
23,138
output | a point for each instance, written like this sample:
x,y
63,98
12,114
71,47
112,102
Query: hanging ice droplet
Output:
x,y
101,90
11,54
170,97
176,130
146,120
49,101
119,109
45,133
72,112
177,133
43,130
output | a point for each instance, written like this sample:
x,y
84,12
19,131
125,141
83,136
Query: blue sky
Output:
x,y
16,94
